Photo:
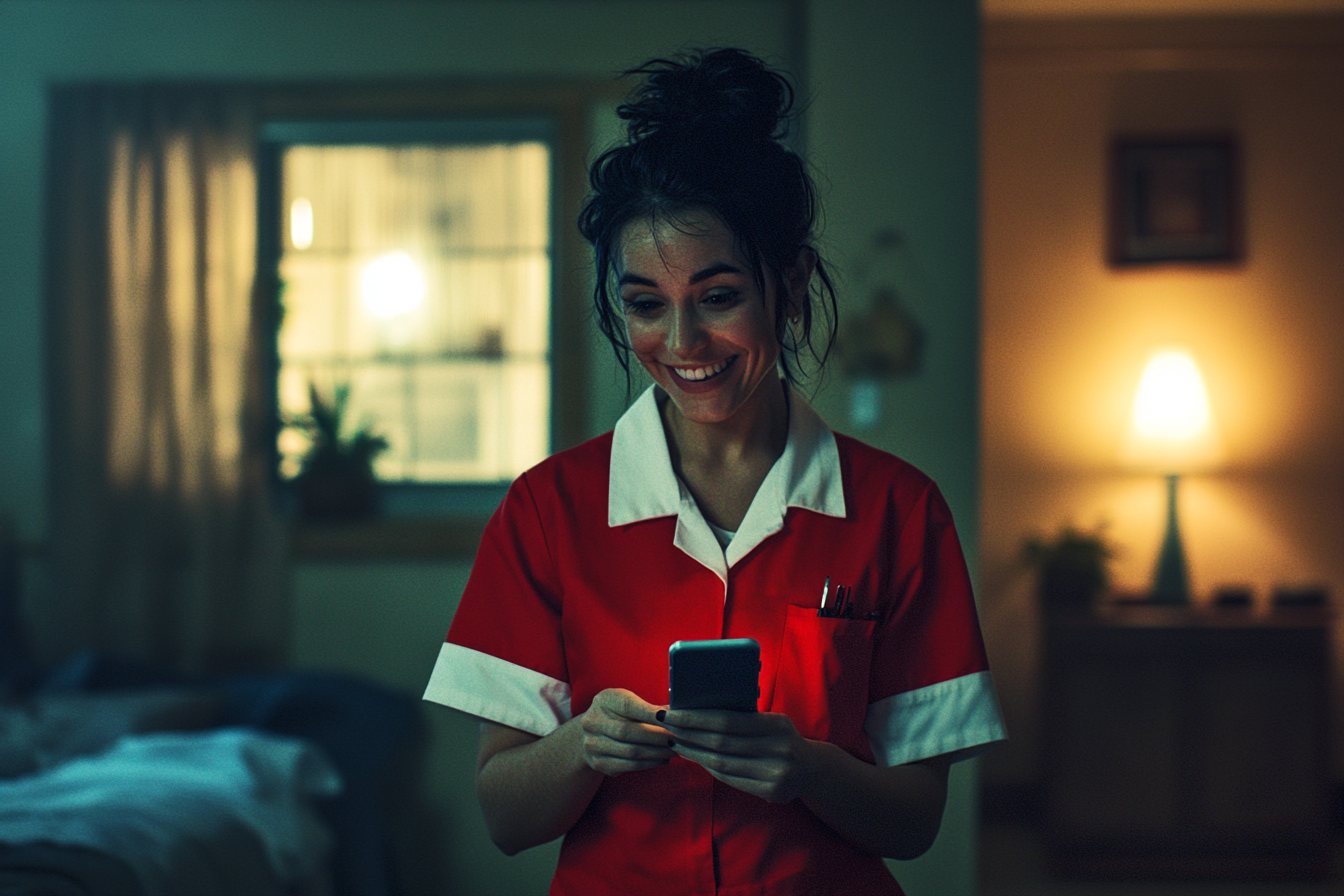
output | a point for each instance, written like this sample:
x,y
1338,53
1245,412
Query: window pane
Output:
x,y
419,277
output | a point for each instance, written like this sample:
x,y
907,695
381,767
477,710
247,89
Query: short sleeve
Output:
x,y
503,659
930,689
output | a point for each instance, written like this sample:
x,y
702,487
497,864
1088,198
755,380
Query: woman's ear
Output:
x,y
800,278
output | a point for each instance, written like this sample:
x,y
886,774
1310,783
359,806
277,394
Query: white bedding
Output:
x,y
194,813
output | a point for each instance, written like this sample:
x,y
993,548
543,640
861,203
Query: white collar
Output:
x,y
643,486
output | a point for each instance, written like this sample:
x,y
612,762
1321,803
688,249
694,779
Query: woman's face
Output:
x,y
695,318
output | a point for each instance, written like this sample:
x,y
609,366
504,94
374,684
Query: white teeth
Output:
x,y
702,373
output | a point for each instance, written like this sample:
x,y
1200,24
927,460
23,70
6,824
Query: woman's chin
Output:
x,y
701,408
717,405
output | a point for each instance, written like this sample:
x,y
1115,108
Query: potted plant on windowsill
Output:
x,y
1073,566
336,481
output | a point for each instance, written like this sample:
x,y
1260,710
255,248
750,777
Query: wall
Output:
x,y
893,122
892,130
1065,336
67,40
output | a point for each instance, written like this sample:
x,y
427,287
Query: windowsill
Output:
x,y
388,539
416,522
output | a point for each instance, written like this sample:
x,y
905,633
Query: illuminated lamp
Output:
x,y
1171,432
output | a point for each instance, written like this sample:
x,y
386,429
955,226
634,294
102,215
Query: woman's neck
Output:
x,y
757,430
724,463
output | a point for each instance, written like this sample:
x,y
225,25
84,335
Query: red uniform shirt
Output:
x,y
598,559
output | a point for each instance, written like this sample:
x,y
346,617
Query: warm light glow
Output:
x,y
1171,428
1171,403
392,285
301,223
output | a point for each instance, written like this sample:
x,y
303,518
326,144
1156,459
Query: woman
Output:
x,y
719,506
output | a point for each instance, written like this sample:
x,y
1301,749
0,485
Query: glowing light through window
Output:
x,y
301,223
426,290
392,286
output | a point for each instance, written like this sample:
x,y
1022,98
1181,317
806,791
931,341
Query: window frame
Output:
x,y
277,137
442,521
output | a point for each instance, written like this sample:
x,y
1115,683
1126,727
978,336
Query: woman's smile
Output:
x,y
702,374
696,319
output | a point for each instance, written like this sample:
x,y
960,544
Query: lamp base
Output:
x,y
1171,584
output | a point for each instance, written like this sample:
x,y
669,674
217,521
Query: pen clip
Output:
x,y
840,604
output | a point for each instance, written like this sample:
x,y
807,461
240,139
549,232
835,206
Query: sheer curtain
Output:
x,y
164,544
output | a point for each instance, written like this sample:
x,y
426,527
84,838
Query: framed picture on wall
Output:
x,y
1174,199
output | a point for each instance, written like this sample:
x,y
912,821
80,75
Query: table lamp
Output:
x,y
1171,432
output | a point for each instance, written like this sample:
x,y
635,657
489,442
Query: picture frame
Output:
x,y
1174,199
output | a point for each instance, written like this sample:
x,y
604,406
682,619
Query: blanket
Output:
x,y
221,811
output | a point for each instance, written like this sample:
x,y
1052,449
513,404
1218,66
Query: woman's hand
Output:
x,y
533,789
760,753
889,811
621,734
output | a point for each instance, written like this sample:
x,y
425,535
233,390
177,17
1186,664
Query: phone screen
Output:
x,y
716,674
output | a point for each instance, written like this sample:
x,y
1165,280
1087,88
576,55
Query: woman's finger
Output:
x,y
725,721
622,729
727,744
613,745
626,704
734,750
769,779
610,749
627,732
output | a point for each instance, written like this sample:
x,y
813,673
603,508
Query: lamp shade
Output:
x,y
1170,428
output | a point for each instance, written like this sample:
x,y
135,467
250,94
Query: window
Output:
x,y
415,268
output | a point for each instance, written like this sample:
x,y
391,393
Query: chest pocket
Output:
x,y
821,680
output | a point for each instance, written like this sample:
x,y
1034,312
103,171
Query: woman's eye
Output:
x,y
641,306
721,298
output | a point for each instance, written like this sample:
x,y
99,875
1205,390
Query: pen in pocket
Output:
x,y
841,604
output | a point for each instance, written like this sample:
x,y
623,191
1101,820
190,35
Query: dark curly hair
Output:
x,y
704,133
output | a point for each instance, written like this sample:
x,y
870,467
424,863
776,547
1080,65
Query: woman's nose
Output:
x,y
687,333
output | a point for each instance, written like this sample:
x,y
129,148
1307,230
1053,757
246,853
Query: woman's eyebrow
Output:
x,y
712,271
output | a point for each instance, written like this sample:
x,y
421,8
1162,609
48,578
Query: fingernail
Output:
x,y
660,715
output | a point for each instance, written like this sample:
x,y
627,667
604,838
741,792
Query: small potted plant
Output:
x,y
336,481
1073,566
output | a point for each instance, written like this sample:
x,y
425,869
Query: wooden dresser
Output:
x,y
1187,742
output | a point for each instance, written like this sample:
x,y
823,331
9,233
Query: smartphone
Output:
x,y
718,674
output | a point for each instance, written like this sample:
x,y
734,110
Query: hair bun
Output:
x,y
715,89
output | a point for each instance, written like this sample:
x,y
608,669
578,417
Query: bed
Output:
x,y
115,779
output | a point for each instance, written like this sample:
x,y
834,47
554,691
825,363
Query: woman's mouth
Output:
x,y
700,374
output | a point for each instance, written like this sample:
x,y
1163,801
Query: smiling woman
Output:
x,y
699,325
697,151
694,316
719,507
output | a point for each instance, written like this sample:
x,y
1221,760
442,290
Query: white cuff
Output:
x,y
959,716
499,691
